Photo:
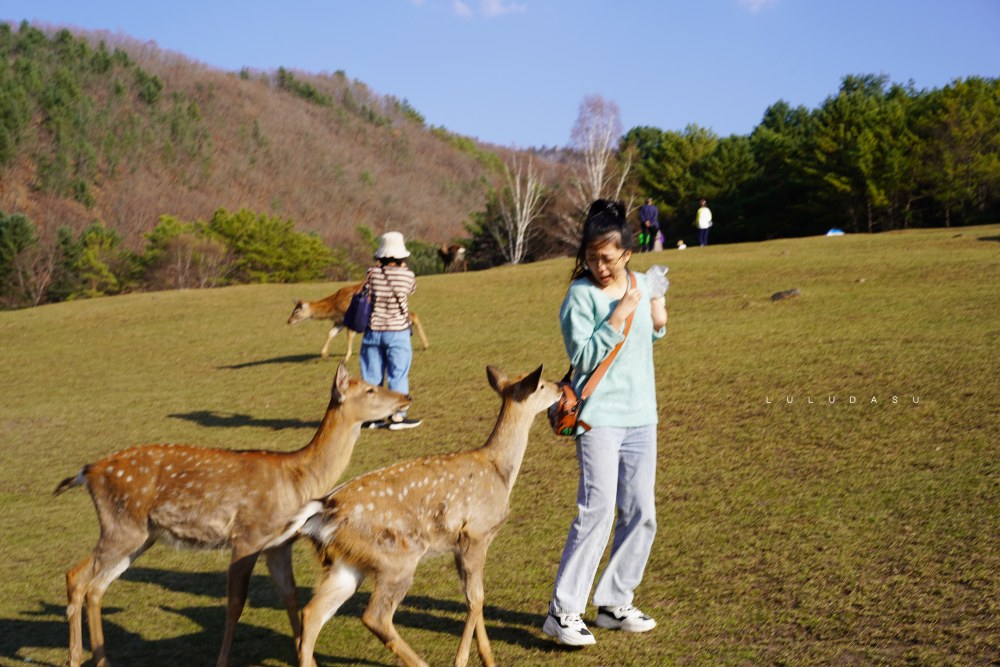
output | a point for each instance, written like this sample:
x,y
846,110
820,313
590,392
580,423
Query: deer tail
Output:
x,y
300,523
79,480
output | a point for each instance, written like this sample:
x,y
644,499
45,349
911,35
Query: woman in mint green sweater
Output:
x,y
617,455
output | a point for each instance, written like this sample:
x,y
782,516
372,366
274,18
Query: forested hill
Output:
x,y
98,127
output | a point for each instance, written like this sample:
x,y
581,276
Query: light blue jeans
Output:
x,y
617,468
386,356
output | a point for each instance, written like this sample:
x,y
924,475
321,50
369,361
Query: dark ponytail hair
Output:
x,y
605,218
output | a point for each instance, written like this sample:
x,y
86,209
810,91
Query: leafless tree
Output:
x,y
602,169
191,262
33,271
519,205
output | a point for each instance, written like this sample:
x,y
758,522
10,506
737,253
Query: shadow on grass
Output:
x,y
42,628
416,611
235,420
990,238
46,627
288,359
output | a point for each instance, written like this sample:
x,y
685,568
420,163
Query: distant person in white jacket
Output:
x,y
703,222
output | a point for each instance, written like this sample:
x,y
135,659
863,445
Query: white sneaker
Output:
x,y
402,423
568,629
626,618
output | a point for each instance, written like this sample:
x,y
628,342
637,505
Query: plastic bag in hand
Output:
x,y
656,279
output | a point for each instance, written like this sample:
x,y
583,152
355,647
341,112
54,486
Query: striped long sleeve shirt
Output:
x,y
391,287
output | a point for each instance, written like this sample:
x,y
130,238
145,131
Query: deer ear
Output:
x,y
497,378
340,383
528,385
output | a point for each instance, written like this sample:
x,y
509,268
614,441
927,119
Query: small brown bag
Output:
x,y
563,413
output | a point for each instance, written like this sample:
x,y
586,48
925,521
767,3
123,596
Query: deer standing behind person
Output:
x,y
453,257
334,307
213,498
380,525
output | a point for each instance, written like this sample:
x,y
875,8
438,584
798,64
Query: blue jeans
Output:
x,y
386,356
617,468
703,236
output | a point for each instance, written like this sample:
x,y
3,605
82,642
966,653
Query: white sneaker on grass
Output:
x,y
568,629
401,423
626,618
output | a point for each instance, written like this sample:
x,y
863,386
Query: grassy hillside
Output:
x,y
827,483
99,126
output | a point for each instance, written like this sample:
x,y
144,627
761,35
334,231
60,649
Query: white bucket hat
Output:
x,y
392,246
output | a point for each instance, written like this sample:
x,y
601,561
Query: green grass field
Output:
x,y
828,477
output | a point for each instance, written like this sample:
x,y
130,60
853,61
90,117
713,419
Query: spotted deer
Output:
x,y
380,525
453,257
333,308
213,498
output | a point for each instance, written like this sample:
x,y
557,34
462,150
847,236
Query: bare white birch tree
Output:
x,y
518,206
33,271
602,169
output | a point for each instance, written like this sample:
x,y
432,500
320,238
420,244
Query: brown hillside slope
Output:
x,y
361,160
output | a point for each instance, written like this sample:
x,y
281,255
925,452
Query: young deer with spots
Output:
x,y
213,498
333,308
382,524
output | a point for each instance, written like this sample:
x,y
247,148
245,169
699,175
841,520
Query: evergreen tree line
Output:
x,y
228,249
874,157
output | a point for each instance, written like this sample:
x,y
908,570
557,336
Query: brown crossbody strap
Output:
x,y
599,372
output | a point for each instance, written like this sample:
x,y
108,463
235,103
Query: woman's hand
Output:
x,y
627,304
658,310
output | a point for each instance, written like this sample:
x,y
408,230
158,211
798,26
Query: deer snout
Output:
x,y
298,313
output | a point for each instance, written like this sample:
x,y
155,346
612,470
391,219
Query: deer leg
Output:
x,y
350,344
386,596
334,330
77,581
240,569
337,584
470,565
87,581
420,330
279,563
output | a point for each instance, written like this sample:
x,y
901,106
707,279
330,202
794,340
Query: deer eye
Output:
x,y
371,391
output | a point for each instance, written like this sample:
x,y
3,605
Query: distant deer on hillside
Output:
x,y
333,308
213,498
380,525
453,257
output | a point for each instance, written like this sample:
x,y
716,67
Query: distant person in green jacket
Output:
x,y
617,454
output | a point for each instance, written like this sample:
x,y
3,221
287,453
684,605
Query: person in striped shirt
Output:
x,y
386,352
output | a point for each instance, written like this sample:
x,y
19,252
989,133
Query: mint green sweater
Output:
x,y
626,396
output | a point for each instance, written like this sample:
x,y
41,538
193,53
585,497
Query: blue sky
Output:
x,y
513,72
